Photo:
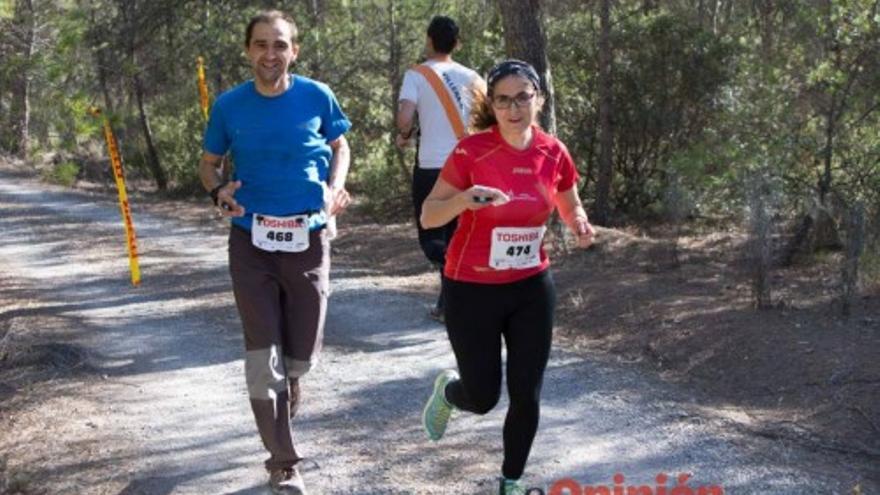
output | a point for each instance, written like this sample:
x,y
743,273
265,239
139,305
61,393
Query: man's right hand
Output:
x,y
403,142
226,204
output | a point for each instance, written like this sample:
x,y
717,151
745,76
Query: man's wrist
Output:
x,y
213,192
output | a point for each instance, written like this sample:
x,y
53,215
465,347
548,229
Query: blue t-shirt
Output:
x,y
279,145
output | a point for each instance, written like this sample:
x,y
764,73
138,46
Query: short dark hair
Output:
x,y
443,32
268,16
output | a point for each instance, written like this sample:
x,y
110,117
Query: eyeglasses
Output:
x,y
503,102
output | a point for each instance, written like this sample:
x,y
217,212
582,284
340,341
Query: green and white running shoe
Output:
x,y
511,487
438,409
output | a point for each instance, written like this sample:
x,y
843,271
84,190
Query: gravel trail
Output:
x,y
159,405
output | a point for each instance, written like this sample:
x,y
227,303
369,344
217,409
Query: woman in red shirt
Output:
x,y
502,184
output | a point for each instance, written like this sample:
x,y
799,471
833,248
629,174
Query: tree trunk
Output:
x,y
152,155
318,14
836,105
765,11
129,13
100,61
716,14
854,246
759,246
701,13
4,92
827,154
20,105
602,208
524,39
394,79
102,81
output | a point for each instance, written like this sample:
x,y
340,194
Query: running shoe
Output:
x,y
286,481
438,409
511,487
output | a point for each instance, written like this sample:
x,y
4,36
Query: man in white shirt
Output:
x,y
438,131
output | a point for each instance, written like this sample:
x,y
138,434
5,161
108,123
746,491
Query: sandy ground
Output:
x,y
109,388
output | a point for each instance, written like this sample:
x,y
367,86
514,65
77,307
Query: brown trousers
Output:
x,y
282,302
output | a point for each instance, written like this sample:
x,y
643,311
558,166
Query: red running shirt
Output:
x,y
530,177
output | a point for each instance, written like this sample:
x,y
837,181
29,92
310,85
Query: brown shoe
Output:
x,y
286,481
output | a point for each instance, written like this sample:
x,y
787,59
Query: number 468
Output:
x,y
279,236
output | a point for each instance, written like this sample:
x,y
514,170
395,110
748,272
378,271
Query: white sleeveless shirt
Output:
x,y
437,138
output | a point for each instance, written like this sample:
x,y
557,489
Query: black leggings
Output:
x,y
432,241
477,315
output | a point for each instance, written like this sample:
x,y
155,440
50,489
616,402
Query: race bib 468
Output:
x,y
287,234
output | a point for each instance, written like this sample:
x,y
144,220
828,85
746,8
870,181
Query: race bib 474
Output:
x,y
516,247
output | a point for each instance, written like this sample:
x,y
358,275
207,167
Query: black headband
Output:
x,y
513,67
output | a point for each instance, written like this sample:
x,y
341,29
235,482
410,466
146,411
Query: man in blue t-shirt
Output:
x,y
285,134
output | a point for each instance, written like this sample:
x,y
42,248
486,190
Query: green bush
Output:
x,y
64,173
379,182
179,141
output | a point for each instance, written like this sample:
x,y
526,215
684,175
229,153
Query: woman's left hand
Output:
x,y
584,231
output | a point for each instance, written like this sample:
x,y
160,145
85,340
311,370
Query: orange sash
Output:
x,y
445,100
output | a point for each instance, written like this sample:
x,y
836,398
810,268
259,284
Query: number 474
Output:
x,y
519,250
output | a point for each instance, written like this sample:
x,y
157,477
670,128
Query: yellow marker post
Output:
x,y
203,87
116,161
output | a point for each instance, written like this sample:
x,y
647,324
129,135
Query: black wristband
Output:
x,y
216,190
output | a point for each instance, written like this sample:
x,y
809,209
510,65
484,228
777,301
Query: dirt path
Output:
x,y
147,393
